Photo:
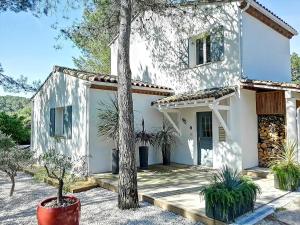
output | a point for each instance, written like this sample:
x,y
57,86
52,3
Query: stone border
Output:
x,y
52,182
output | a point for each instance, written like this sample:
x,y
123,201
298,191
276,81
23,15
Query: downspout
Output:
x,y
241,36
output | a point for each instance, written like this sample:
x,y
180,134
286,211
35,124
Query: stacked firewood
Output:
x,y
271,131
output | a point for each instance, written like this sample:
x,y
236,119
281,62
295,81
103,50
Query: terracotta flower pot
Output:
x,y
69,215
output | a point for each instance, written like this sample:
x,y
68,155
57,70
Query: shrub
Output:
x,y
286,168
16,127
229,195
12,158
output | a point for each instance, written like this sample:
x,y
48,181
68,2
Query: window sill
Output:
x,y
202,65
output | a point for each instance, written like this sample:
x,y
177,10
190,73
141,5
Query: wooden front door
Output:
x,y
204,138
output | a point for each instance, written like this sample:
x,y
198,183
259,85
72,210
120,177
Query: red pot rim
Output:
x,y
40,205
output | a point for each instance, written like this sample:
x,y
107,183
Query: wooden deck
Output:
x,y
176,188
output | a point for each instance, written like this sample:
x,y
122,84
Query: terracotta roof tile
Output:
x,y
251,83
202,94
97,77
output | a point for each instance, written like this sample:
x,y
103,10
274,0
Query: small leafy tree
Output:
x,y
12,158
56,165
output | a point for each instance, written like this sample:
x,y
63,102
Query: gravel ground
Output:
x,y
98,206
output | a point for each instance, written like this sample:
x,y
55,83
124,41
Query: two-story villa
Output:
x,y
218,72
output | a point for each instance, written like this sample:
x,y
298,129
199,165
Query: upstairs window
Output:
x,y
206,48
61,122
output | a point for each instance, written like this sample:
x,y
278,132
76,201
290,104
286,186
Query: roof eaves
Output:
x,y
272,16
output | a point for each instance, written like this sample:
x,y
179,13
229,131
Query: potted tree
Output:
x,y
165,139
229,195
286,169
60,209
145,139
108,125
13,159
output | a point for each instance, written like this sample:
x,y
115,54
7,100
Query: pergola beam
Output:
x,y
172,122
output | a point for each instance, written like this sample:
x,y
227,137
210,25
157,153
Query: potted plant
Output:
x,y
13,159
229,195
286,169
60,209
108,125
165,139
145,139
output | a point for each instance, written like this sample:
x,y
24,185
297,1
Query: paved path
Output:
x,y
98,206
289,214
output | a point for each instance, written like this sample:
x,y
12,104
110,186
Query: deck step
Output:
x,y
258,172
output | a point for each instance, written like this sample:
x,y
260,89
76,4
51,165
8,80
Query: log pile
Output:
x,y
271,131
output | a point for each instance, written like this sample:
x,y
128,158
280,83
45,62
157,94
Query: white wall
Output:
x,y
155,51
265,52
100,148
60,90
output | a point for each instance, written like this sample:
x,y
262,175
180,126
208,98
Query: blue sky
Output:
x,y
26,42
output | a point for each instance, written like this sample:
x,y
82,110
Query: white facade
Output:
x,y
251,49
62,90
100,147
158,55
265,52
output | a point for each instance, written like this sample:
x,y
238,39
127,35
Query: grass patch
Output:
x,y
72,184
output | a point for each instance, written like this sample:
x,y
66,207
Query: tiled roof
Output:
x,y
202,94
97,77
251,83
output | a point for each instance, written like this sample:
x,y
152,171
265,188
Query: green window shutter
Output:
x,y
217,44
67,122
52,122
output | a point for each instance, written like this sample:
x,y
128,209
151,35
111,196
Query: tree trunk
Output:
x,y
60,192
128,195
12,178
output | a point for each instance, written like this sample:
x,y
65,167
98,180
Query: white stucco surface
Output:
x,y
155,51
265,52
60,91
100,148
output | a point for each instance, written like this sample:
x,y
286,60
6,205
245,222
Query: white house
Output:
x,y
215,71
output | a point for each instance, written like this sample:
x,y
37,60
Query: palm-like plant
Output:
x,y
165,139
143,137
108,120
286,168
229,195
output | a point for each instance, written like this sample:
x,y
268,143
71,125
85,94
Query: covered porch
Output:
x,y
202,123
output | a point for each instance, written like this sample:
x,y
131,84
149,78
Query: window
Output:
x,y
205,48
61,122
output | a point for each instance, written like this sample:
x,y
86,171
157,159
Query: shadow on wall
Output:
x,y
166,38
59,91
229,154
